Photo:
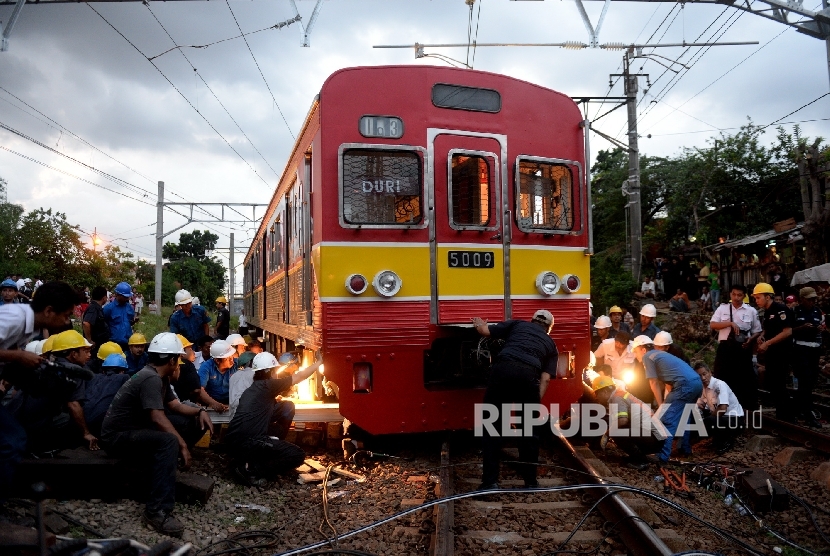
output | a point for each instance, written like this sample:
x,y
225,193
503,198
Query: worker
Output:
x,y
520,374
191,321
252,434
738,328
616,353
238,342
680,383
617,324
807,333
223,318
8,292
215,374
202,350
95,327
776,344
628,413
101,390
120,315
50,311
723,415
241,380
602,331
49,418
663,342
136,428
646,325
187,385
104,350
136,354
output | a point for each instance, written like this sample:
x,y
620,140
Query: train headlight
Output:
x,y
387,283
547,283
356,284
571,283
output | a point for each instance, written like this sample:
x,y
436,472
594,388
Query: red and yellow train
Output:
x,y
414,199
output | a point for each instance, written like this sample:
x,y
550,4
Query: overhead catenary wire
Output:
x,y
260,71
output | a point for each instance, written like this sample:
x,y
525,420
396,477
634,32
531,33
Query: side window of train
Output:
x,y
381,187
545,200
471,187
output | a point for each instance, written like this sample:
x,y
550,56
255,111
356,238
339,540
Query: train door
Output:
x,y
471,212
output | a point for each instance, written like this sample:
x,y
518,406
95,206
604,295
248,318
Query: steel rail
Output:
x,y
810,438
638,537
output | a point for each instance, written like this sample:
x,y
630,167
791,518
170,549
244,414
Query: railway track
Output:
x,y
809,438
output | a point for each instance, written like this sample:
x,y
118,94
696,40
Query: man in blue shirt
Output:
x,y
190,321
8,291
665,372
215,374
646,325
120,315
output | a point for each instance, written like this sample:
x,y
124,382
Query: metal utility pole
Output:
x,y
635,210
159,244
232,285
7,31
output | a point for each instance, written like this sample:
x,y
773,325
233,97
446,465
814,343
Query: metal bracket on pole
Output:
x,y
311,21
7,30
592,32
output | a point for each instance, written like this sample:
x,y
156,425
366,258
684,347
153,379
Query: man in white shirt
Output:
x,y
723,414
733,360
647,289
616,353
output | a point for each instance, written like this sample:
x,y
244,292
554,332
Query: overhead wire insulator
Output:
x,y
614,46
574,45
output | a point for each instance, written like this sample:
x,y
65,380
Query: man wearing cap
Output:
x,y
776,345
809,324
602,331
191,321
666,373
137,428
629,412
8,292
223,318
520,375
253,436
136,355
120,315
663,342
646,325
735,321
96,329
617,324
215,374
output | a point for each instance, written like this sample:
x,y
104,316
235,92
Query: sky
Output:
x,y
94,97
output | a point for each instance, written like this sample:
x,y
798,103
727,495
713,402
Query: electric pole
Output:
x,y
635,211
232,284
159,243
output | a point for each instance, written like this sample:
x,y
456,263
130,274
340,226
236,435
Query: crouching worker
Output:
x,y
251,434
723,416
626,417
101,390
136,427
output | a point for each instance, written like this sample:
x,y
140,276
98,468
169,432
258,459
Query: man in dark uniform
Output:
x,y
520,375
776,343
223,318
95,327
809,323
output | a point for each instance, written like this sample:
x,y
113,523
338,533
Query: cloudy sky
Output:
x,y
119,114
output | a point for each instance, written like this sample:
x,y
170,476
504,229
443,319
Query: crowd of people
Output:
x,y
146,400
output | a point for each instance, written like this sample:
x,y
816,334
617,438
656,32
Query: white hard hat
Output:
x,y
662,339
602,322
264,361
641,340
183,297
648,311
166,343
236,340
35,346
221,349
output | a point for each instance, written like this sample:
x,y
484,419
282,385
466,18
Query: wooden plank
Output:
x,y
315,464
306,478
349,474
443,542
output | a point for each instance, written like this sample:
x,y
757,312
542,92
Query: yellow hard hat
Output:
x,y
222,299
615,309
47,345
185,342
601,382
763,287
137,339
108,348
69,339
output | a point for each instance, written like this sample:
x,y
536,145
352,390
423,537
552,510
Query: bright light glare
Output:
x,y
322,370
628,376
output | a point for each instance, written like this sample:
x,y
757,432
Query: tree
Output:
x,y
192,268
194,245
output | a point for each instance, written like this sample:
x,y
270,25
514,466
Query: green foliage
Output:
x,y
192,269
610,283
193,245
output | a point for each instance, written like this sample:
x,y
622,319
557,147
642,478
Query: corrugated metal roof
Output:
x,y
764,236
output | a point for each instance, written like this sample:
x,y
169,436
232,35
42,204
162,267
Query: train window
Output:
x,y
471,187
545,196
466,98
381,187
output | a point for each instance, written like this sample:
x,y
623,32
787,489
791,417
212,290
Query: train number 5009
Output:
x,y
470,259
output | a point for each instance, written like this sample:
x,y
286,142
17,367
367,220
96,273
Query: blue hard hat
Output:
x,y
115,360
9,283
124,289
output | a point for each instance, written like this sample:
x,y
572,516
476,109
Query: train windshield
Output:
x,y
471,185
382,187
546,197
